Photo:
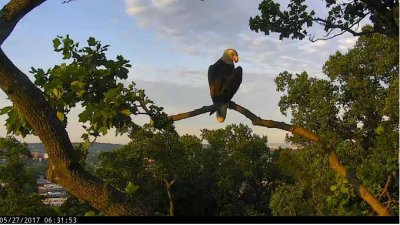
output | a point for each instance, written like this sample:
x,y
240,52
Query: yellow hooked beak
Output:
x,y
235,58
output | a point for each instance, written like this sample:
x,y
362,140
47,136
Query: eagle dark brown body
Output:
x,y
224,81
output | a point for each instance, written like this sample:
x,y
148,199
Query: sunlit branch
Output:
x,y
251,116
334,161
168,186
196,112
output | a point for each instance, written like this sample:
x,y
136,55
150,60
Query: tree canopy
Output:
x,y
15,197
343,16
356,108
351,115
233,175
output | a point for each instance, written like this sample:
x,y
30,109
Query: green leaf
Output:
x,y
78,87
56,93
103,129
5,110
91,41
56,43
77,84
126,112
33,70
60,116
67,55
151,123
344,190
90,213
333,187
131,188
86,144
379,130
330,200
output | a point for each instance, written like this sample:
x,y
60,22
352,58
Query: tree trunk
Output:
x,y
30,102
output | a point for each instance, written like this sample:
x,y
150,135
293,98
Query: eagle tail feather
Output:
x,y
221,112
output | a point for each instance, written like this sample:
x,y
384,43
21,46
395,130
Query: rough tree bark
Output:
x,y
334,161
30,102
65,170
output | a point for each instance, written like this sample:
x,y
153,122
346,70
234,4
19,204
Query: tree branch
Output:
x,y
168,186
63,168
343,28
326,38
66,171
334,161
385,190
196,112
12,12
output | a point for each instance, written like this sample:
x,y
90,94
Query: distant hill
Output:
x,y
96,147
107,147
271,145
282,145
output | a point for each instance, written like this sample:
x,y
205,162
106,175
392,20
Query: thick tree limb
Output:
x,y
30,102
12,13
65,170
334,161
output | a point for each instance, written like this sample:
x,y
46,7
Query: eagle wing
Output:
x,y
234,82
216,84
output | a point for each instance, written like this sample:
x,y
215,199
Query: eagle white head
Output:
x,y
230,55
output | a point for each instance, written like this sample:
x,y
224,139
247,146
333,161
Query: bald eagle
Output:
x,y
224,80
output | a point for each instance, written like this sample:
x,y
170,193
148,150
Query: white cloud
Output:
x,y
346,43
197,26
205,28
201,30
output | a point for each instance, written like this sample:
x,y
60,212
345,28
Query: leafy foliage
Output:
x,y
344,16
294,195
357,111
237,174
307,185
75,207
93,82
274,20
233,176
131,188
246,171
15,200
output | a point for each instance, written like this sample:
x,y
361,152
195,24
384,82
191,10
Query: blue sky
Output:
x,y
171,43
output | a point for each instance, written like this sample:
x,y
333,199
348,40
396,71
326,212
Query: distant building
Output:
x,y
38,156
42,181
35,155
55,201
276,146
54,194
